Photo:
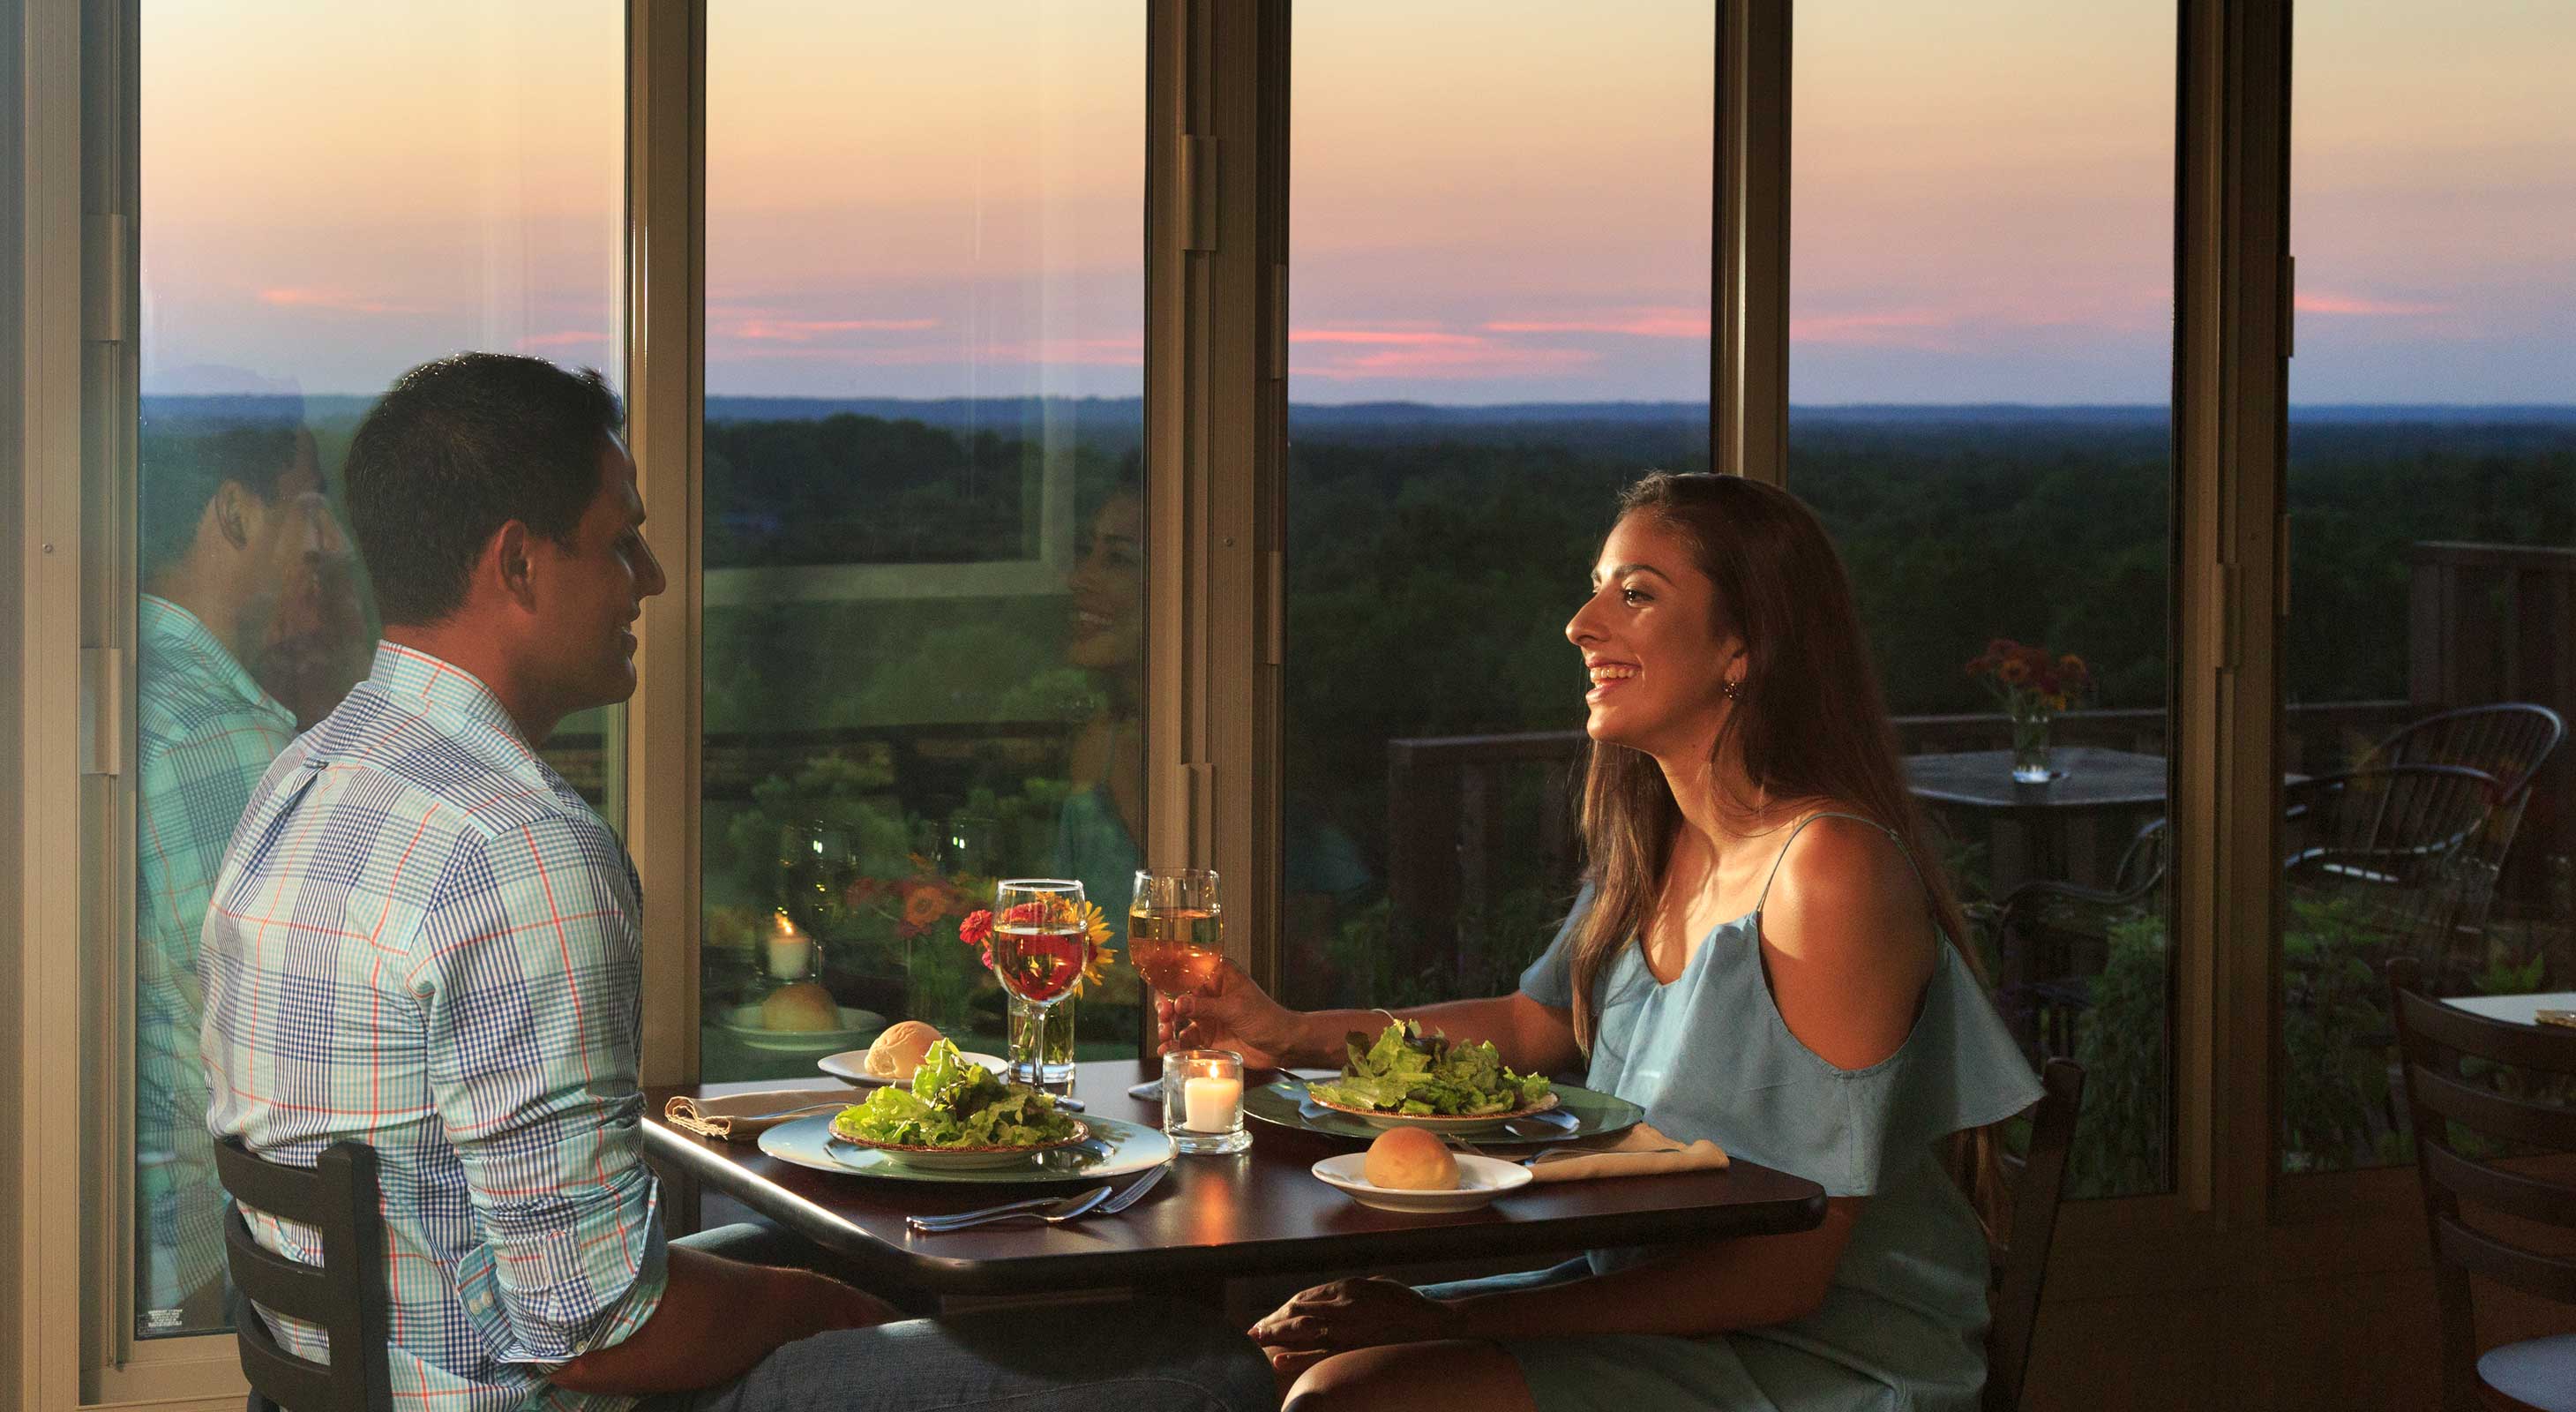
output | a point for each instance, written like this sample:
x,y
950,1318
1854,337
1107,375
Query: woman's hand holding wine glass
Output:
x,y
1229,1011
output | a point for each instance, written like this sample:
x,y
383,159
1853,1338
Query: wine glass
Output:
x,y
1039,946
1175,931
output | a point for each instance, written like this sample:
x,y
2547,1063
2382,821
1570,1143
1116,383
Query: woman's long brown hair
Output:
x,y
1809,724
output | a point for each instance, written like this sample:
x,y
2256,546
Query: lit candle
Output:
x,y
788,951
1209,1104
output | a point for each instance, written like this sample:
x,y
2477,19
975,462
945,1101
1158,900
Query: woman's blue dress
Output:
x,y
1708,1055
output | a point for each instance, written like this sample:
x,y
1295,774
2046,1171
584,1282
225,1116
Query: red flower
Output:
x,y
976,929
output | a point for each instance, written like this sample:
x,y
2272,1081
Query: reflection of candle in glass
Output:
x,y
788,950
1208,1105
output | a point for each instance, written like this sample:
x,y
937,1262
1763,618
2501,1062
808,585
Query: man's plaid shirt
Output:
x,y
204,734
422,938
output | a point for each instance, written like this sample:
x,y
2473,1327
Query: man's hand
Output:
x,y
1347,1314
836,1305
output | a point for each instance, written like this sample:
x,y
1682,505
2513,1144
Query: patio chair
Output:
x,y
2397,846
2465,1111
2021,1261
345,1294
2511,741
2040,923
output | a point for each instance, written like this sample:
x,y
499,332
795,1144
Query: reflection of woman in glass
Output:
x,y
1763,955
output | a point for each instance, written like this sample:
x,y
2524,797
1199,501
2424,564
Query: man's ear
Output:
x,y
229,513
511,564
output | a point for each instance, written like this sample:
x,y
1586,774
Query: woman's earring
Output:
x,y
1731,689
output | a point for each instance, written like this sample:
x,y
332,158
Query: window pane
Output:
x,y
329,197
924,528
1497,323
1980,329
2432,500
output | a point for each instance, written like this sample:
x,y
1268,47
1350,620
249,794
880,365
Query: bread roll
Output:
x,y
804,1007
1409,1159
897,1052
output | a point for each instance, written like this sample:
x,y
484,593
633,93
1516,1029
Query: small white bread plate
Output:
x,y
1480,1180
850,1066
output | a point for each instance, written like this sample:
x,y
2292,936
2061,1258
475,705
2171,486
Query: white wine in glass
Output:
x,y
1175,931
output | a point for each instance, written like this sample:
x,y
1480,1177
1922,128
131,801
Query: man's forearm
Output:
x,y
717,1318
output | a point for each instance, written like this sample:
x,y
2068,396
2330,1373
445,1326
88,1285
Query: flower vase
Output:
x,y
2030,746
1048,1060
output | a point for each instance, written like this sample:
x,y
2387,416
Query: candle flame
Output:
x,y
786,928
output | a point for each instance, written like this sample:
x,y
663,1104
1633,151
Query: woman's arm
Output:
x,y
1234,1013
1696,1292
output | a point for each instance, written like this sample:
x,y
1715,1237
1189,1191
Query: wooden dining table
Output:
x,y
1212,1218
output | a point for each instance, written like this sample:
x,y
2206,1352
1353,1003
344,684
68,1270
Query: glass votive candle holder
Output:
x,y
1203,1100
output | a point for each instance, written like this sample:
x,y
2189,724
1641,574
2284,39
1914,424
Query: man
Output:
x,y
230,513
424,939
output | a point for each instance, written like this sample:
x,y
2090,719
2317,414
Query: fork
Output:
x,y
1054,1211
1086,1204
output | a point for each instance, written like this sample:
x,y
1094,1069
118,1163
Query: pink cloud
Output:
x,y
1401,337
334,301
1640,323
2322,302
1486,360
807,330
1904,328
565,338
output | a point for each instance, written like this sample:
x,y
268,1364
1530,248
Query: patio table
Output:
x,y
1259,1212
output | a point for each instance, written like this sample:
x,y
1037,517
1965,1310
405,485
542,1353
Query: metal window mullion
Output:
x,y
2230,421
666,408
1748,399
1214,231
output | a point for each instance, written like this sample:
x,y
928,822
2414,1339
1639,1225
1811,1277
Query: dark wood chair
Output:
x,y
345,1295
2461,1121
2021,1257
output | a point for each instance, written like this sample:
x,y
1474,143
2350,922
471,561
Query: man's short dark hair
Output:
x,y
184,460
456,449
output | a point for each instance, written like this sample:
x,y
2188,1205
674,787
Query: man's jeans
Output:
x,y
1147,1356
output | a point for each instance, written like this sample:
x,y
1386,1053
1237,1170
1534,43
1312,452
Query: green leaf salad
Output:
x,y
1407,1071
953,1103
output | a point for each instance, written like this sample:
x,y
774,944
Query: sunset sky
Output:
x,y
1490,201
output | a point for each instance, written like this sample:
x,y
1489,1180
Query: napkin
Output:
x,y
1640,1151
730,1117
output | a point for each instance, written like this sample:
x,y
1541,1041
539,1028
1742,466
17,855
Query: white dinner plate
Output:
x,y
743,1023
1480,1180
1113,1149
850,1066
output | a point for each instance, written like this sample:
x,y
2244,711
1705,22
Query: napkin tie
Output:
x,y
1640,1151
732,1117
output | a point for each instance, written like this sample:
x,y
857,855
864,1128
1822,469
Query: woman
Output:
x,y
1762,955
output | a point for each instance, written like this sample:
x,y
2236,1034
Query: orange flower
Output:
x,y
923,906
2013,672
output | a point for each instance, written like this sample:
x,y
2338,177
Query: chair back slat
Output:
x,y
2500,1189
2024,1269
278,1283
2480,1253
345,1295
2439,1096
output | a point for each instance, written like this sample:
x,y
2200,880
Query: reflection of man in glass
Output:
x,y
1104,817
231,512
1099,838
